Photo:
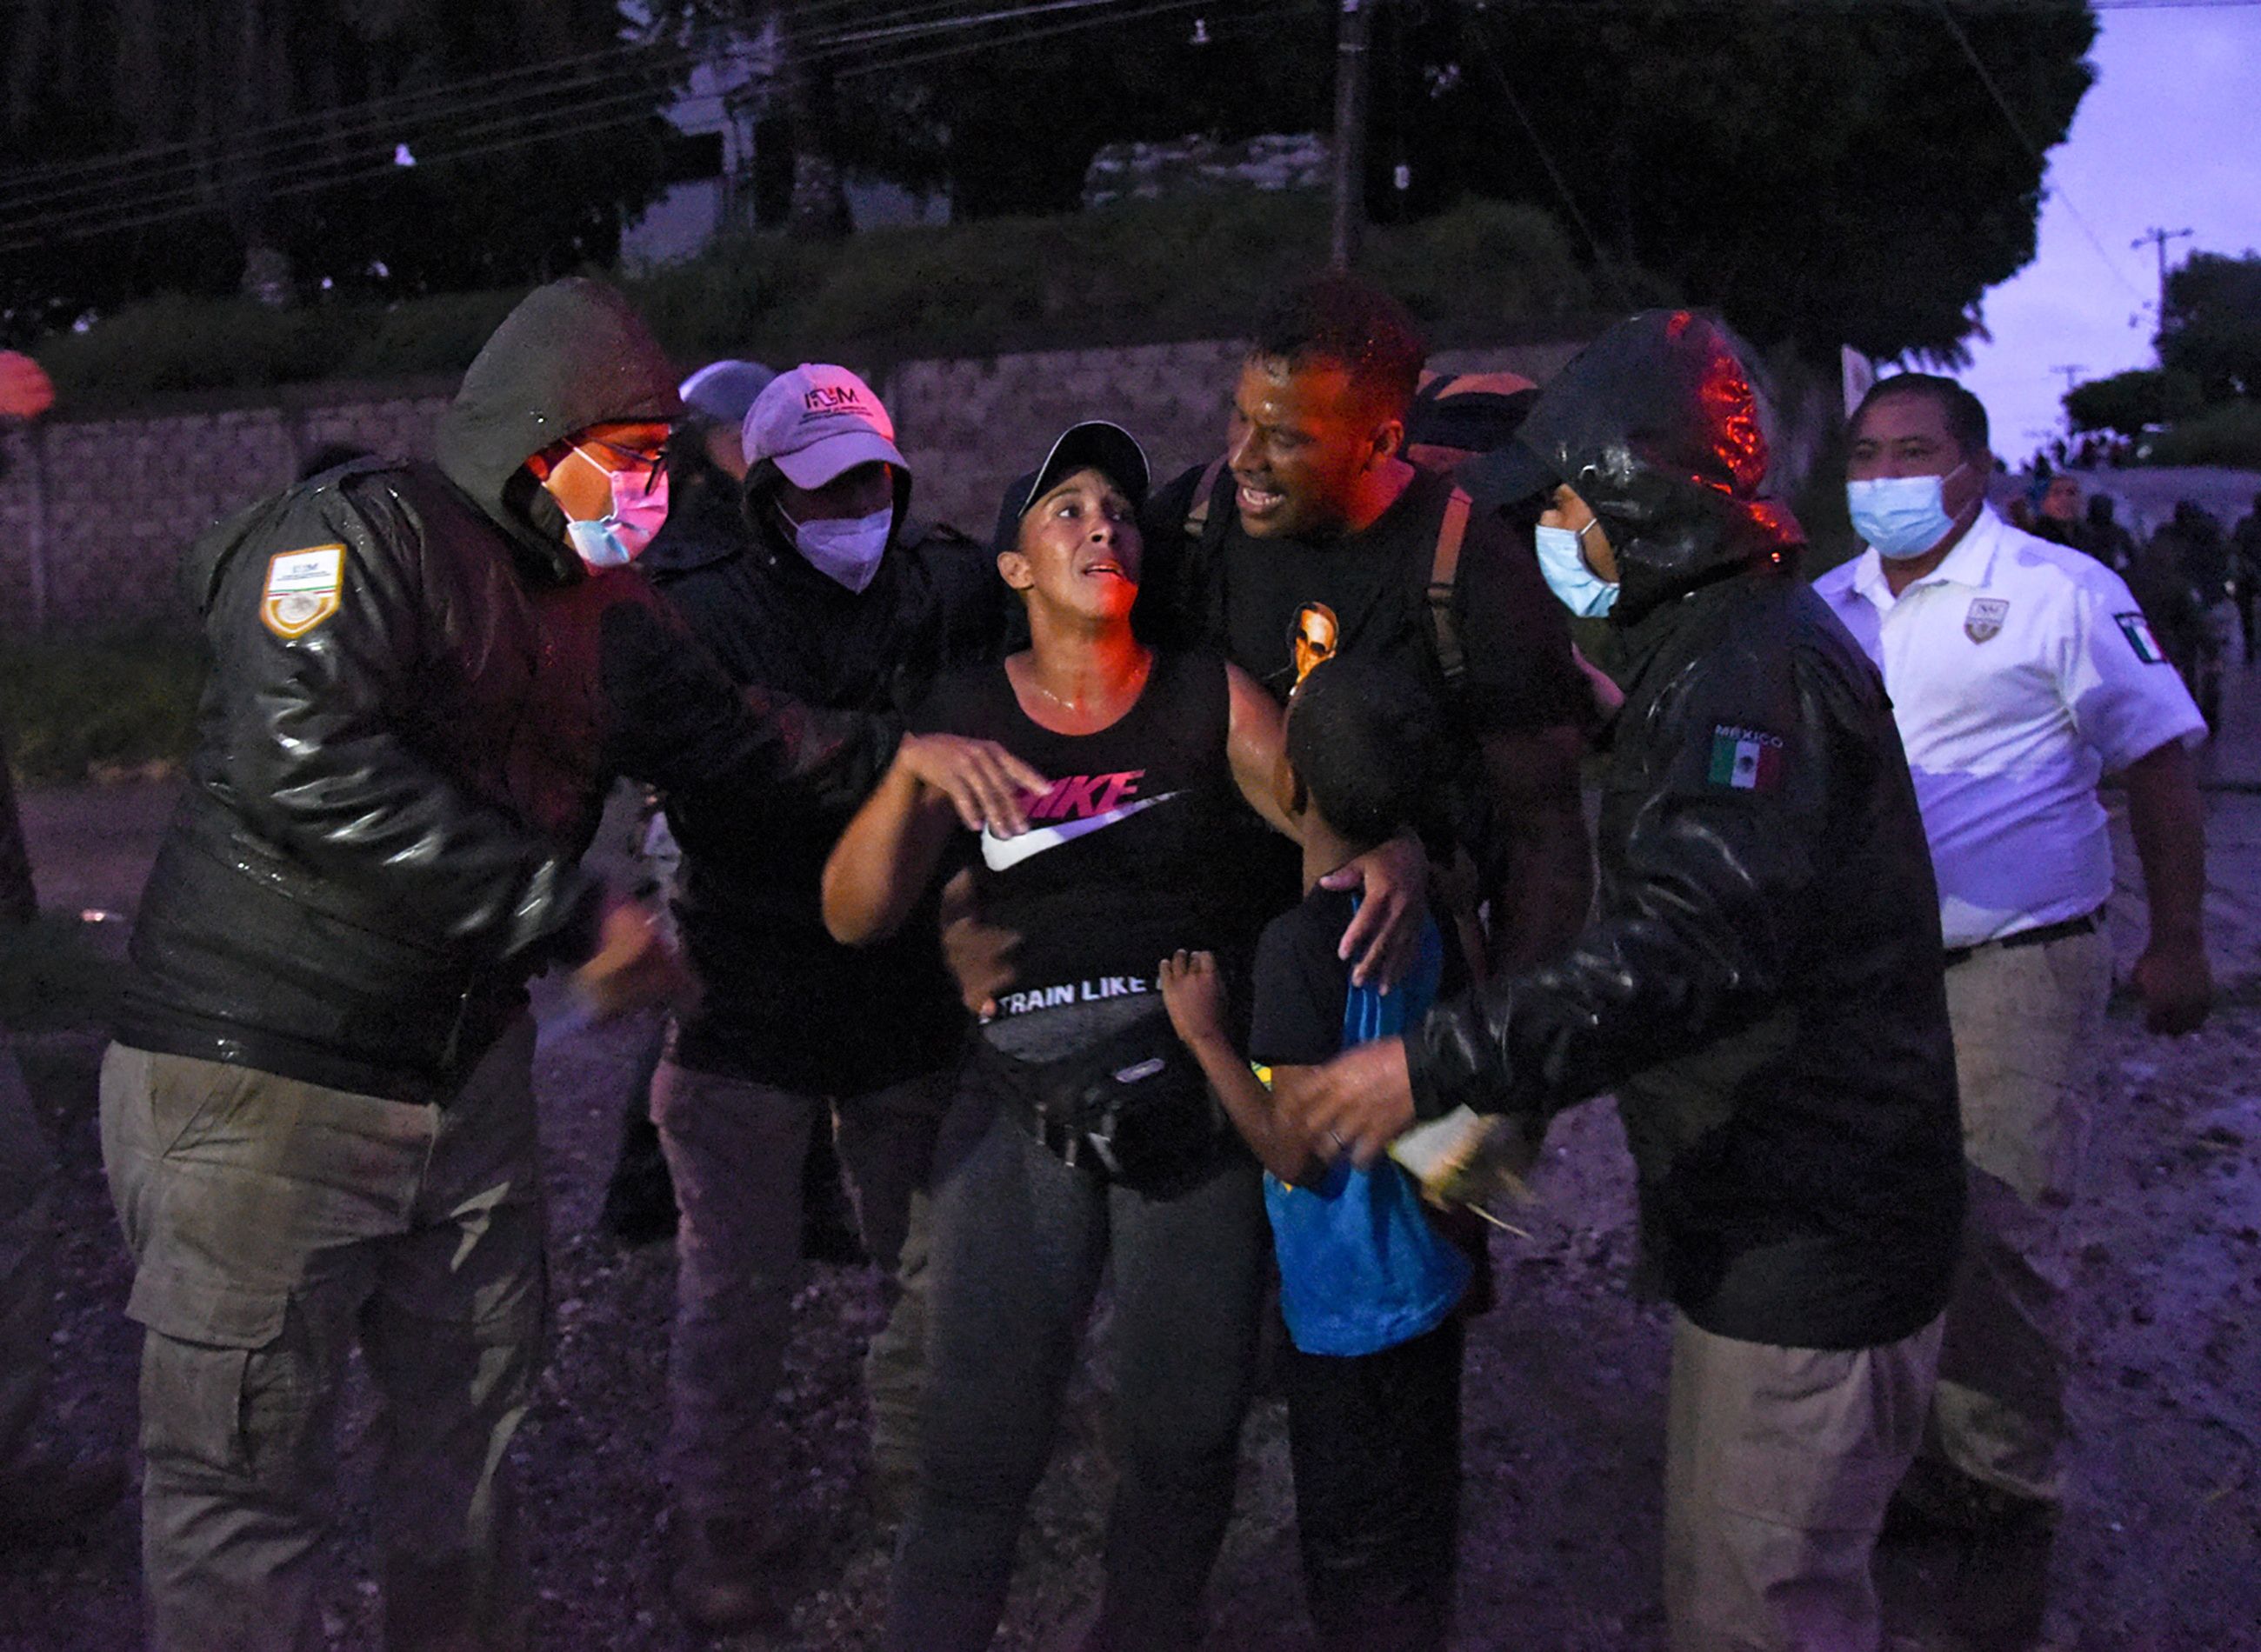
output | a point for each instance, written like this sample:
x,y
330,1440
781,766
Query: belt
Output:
x,y
2041,934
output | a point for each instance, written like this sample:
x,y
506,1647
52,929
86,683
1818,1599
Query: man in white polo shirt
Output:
x,y
2020,674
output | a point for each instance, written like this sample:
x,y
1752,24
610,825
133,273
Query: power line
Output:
x,y
190,198
1554,172
944,53
464,95
182,188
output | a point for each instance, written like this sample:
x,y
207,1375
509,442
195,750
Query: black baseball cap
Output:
x,y
1095,444
1507,474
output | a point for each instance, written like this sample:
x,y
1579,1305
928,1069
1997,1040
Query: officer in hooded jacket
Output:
x,y
318,1119
1761,987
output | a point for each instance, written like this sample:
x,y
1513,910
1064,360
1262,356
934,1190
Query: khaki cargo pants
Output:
x,y
272,1223
2026,1020
1778,1464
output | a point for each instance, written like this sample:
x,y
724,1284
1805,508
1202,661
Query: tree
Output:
x,y
154,145
2203,404
2132,402
1838,171
1830,173
2212,329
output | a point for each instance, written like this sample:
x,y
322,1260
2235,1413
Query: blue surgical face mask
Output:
x,y
1902,516
844,549
1563,564
619,538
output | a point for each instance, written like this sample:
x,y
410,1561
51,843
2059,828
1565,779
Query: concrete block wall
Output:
x,y
94,513
969,427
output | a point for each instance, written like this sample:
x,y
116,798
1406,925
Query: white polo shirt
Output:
x,y
2021,673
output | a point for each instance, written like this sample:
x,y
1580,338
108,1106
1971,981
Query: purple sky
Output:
x,y
2170,134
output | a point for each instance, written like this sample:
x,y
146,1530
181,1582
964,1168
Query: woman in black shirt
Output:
x,y
1082,1135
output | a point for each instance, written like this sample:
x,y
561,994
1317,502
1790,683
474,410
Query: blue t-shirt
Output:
x,y
1361,1267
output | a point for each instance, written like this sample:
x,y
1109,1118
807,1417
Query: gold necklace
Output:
x,y
1138,682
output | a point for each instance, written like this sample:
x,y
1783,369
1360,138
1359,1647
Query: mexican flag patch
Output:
x,y
1745,759
2137,630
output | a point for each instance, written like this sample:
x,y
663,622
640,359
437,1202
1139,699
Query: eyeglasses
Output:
x,y
632,459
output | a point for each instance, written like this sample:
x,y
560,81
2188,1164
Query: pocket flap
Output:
x,y
192,1306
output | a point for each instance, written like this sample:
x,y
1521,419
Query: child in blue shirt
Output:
x,y
1368,1286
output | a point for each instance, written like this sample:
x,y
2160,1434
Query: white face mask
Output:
x,y
1902,516
1562,564
844,550
619,538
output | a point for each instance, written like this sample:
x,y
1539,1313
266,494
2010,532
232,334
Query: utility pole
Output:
x,y
1350,131
2158,238
2072,370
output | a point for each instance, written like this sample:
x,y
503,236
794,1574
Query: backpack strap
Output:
x,y
1199,597
1444,574
1198,511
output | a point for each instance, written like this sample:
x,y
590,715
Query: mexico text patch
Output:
x,y
303,588
1745,759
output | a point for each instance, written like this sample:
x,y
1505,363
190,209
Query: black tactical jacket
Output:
x,y
785,1004
378,843
1762,985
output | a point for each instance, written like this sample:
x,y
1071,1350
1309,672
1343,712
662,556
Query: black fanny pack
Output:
x,y
1133,1109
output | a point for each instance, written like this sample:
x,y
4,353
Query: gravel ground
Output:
x,y
2160,1549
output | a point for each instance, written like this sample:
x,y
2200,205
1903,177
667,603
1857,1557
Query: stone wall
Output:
x,y
94,513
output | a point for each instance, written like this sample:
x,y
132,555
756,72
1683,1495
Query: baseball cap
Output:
x,y
816,421
723,390
1507,474
1095,444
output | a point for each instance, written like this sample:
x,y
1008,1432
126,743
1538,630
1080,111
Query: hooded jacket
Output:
x,y
1762,985
418,698
785,1004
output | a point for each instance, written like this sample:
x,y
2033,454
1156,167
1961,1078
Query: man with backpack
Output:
x,y
1313,535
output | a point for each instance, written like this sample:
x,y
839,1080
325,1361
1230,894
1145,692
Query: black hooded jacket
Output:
x,y
785,1004
1762,985
388,799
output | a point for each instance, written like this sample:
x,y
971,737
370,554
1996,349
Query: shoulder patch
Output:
x,y
1745,759
2137,630
303,588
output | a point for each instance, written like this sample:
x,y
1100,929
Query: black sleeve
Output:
x,y
681,724
1301,987
308,733
1700,923
974,607
952,702
1515,636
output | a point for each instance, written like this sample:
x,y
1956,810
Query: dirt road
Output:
x,y
2160,1550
